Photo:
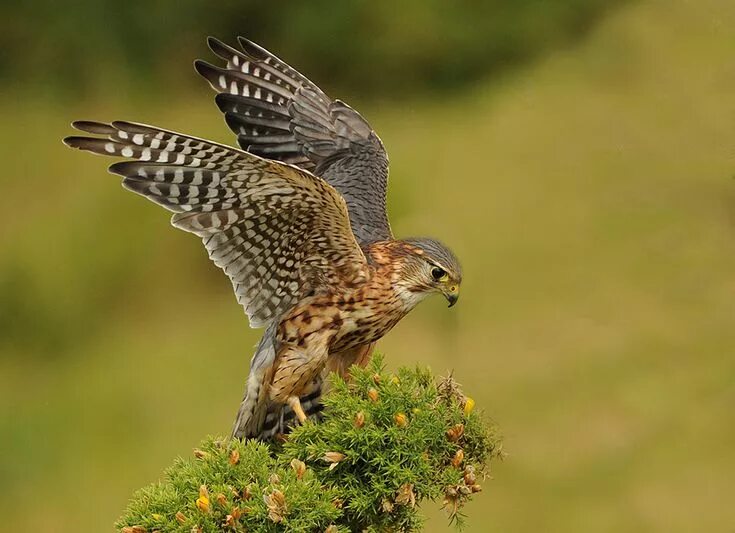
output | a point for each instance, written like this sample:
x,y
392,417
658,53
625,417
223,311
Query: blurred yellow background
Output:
x,y
587,188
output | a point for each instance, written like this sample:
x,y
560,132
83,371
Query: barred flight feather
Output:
x,y
272,228
277,113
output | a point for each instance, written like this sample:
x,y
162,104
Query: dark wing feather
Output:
x,y
277,113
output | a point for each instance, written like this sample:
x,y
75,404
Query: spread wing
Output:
x,y
277,113
277,231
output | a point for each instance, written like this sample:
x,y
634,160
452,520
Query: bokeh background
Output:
x,y
577,154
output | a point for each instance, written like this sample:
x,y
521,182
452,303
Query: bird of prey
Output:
x,y
296,218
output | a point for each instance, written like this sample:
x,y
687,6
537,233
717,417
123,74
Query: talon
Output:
x,y
295,404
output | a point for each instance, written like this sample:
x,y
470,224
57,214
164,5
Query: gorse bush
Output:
x,y
387,442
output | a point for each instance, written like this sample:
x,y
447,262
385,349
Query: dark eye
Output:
x,y
437,273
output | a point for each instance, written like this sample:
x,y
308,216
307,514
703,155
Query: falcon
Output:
x,y
297,220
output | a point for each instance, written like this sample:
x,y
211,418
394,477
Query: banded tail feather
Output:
x,y
260,418
280,418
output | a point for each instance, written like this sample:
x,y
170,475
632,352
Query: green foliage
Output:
x,y
386,443
229,478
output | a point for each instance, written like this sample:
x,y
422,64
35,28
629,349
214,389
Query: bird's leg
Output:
x,y
295,404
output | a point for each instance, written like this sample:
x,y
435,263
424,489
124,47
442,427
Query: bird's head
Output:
x,y
429,267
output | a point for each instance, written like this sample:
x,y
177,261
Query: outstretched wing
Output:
x,y
277,231
279,114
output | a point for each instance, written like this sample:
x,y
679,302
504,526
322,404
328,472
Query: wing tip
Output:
x,y
71,141
93,126
233,121
213,42
206,70
89,144
221,48
121,168
223,98
252,49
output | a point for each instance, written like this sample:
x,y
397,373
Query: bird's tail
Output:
x,y
254,406
258,416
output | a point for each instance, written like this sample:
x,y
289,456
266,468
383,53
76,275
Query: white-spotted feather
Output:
x,y
277,113
265,223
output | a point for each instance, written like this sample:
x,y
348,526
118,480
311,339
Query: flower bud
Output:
x,y
455,433
373,395
200,454
469,475
334,458
276,504
234,456
299,467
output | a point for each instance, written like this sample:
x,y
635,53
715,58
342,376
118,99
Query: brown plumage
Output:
x,y
297,221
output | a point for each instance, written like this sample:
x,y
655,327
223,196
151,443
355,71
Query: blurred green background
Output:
x,y
578,156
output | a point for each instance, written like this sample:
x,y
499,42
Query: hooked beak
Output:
x,y
452,295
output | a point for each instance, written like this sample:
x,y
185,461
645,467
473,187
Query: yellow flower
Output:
x,y
469,405
203,504
203,499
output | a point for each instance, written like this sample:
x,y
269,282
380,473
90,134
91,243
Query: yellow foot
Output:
x,y
295,404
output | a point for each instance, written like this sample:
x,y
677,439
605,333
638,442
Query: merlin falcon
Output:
x,y
297,220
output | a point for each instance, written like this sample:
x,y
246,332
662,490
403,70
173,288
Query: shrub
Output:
x,y
387,442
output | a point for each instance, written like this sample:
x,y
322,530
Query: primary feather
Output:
x,y
277,113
